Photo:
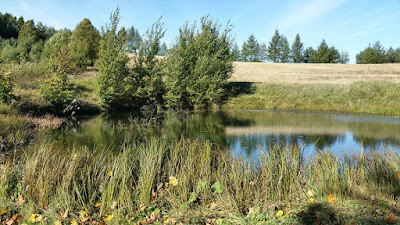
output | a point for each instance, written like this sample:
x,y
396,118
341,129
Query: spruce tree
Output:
x,y
236,53
297,53
251,50
285,50
274,48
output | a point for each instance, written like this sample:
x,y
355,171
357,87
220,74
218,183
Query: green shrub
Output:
x,y
5,87
198,66
113,71
148,88
57,91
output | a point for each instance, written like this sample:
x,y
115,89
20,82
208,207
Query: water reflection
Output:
x,y
244,132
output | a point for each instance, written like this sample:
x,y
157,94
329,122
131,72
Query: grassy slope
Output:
x,y
354,88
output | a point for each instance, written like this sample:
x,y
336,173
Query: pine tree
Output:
x,y
84,44
113,71
297,53
251,50
285,50
274,50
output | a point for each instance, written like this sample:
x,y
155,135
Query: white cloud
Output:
x,y
306,12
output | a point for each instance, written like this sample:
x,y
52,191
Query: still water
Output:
x,y
244,132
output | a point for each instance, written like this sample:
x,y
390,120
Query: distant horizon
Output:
x,y
348,25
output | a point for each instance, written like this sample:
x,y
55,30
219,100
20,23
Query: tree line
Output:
x,y
194,75
279,50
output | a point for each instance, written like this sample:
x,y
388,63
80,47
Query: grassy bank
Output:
x,y
192,182
18,130
377,97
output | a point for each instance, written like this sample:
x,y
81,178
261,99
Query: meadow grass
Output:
x,y
195,182
375,97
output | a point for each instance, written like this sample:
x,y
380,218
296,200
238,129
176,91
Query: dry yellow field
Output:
x,y
291,73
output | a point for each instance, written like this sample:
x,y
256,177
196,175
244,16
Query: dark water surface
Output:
x,y
244,132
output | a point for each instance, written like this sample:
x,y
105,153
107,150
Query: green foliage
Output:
x,y
324,54
5,87
251,51
84,44
113,72
57,52
274,48
297,53
9,26
147,86
57,91
285,50
236,54
26,39
8,51
199,65
371,55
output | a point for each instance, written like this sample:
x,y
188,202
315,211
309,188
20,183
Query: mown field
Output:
x,y
290,73
316,87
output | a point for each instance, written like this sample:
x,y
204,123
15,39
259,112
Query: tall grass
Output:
x,y
156,178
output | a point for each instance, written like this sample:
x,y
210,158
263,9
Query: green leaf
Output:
x,y
217,187
192,198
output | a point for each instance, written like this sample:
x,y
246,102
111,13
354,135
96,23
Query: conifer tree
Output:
x,y
285,50
297,53
274,48
251,50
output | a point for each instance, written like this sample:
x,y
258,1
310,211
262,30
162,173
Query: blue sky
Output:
x,y
346,24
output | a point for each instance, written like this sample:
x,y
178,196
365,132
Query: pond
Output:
x,y
244,132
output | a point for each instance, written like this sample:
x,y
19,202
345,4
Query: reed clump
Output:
x,y
190,181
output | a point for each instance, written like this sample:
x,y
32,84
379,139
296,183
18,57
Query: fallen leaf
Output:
x,y
173,181
310,193
32,218
73,222
65,214
331,199
21,199
4,210
57,223
83,216
110,173
279,214
108,218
